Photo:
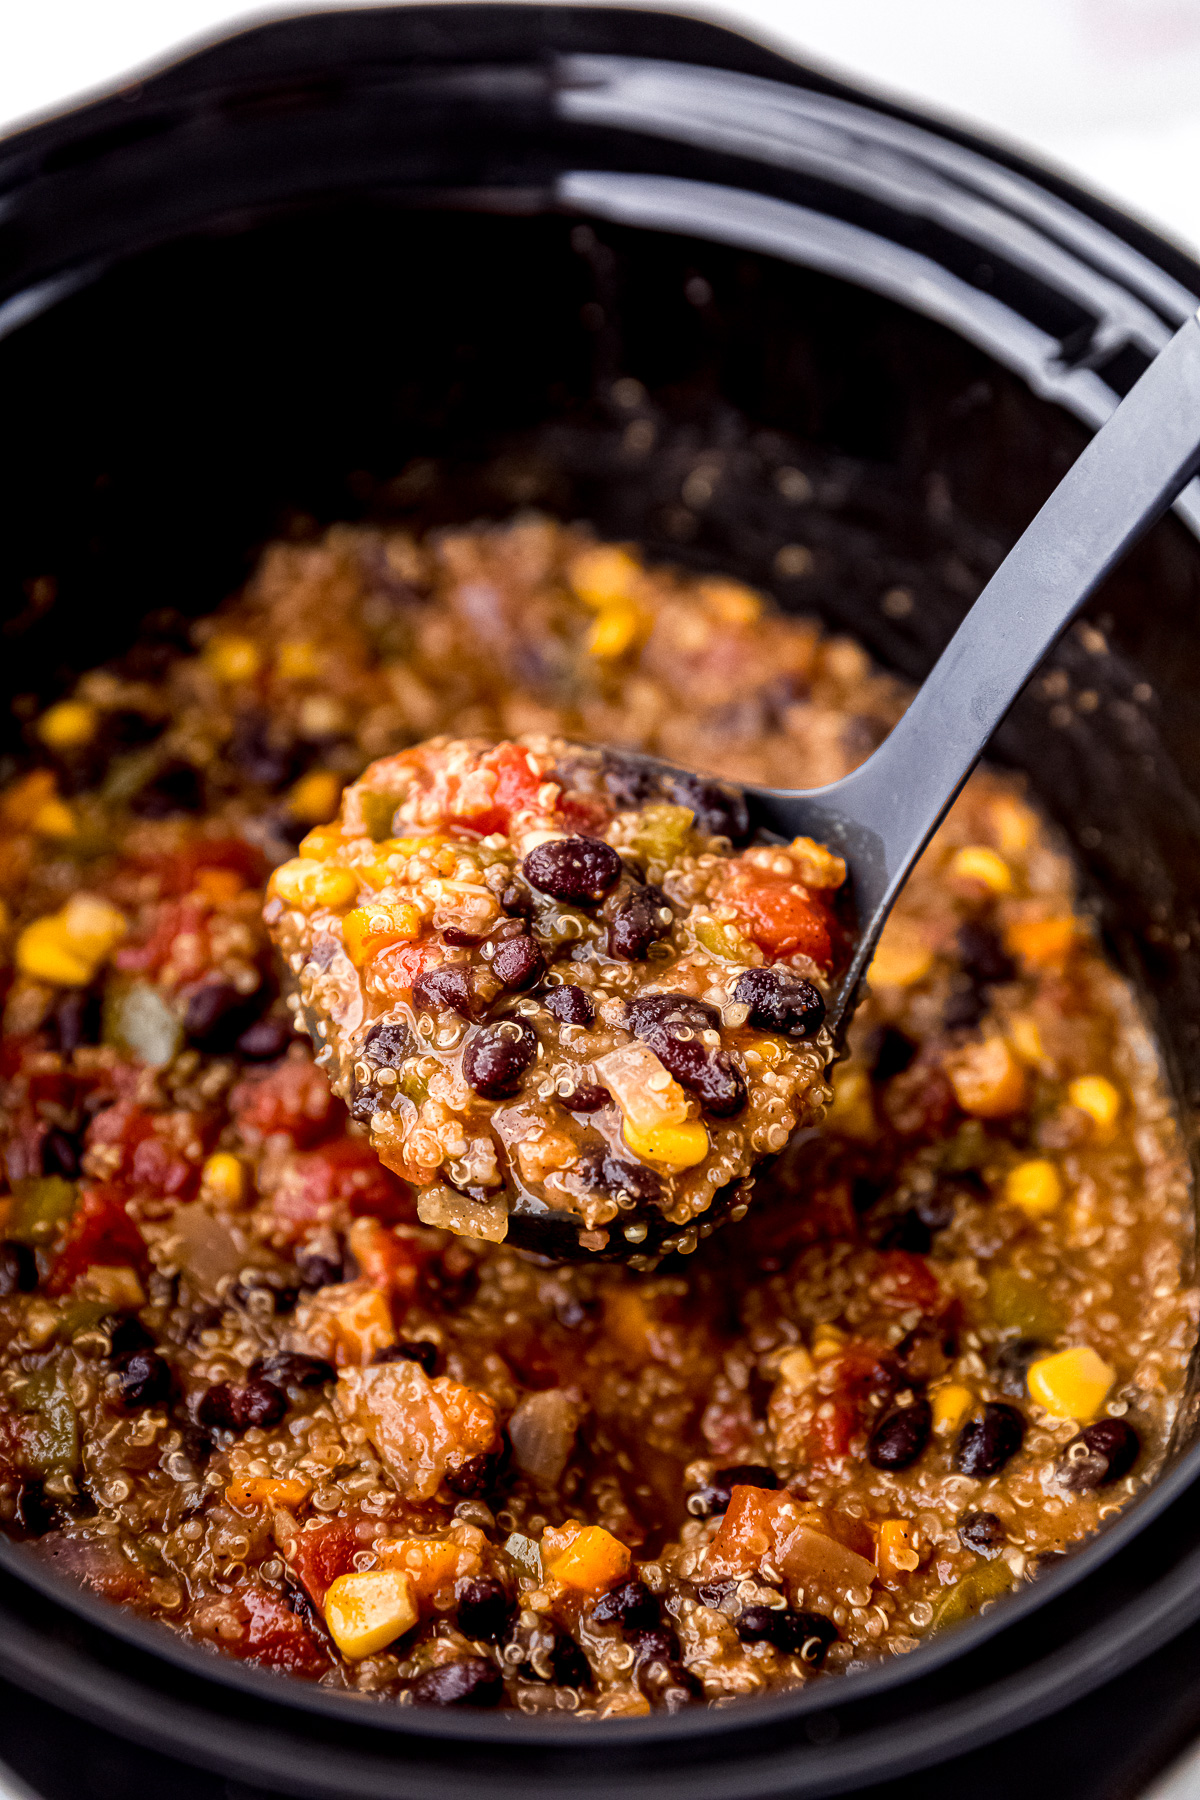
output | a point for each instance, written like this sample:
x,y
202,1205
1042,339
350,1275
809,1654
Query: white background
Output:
x,y
1108,89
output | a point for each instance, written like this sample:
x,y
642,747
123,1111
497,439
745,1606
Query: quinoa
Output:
x,y
250,1390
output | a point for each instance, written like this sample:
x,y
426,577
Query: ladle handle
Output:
x,y
1127,476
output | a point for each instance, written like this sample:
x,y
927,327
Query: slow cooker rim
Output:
x,y
689,1724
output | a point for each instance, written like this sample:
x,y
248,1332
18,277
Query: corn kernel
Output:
x,y
369,929
267,1490
54,819
852,1110
797,1370
297,660
902,957
223,1179
1041,943
219,886
670,1146
1098,1098
320,843
894,1552
1013,824
232,657
309,884
68,725
44,954
365,1613
988,1081
603,573
1072,1384
1035,1186
827,1341
1026,1039
950,1405
93,926
733,603
593,1560
314,799
613,631
976,863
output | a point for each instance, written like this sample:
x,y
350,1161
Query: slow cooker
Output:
x,y
453,261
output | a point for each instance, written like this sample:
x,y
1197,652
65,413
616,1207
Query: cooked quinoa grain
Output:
x,y
530,990
247,1389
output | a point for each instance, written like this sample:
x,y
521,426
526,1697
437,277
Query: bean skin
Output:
x,y
631,1606
291,1368
317,1270
603,1173
780,1002
985,1445
446,988
18,1269
1099,1454
484,1610
670,1024
804,1634
472,1681
586,1098
642,919
129,1334
497,1056
265,1040
579,871
60,1154
716,1494
229,1407
569,1005
519,962
476,1476
418,1350
145,1378
720,808
899,1439
983,1533
570,1666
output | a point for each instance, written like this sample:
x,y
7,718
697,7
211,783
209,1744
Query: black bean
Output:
x,y
631,1606
195,1444
671,1024
1013,1360
291,1368
77,1019
446,988
18,1269
641,920
387,1044
908,1232
983,1533
936,1209
964,1008
129,1334
366,1099
517,901
497,1056
569,1005
316,1270
780,1001
719,807
474,1476
656,1643
519,962
715,1593
228,1407
983,955
586,1098
418,1350
579,871
601,1172
36,1512
145,1378
60,1153
985,1445
891,1053
811,1635
1099,1454
176,788
324,949
765,1625
568,1663
472,1681
262,750
484,1610
899,1439
629,784
717,1492
461,940
265,1040
216,1016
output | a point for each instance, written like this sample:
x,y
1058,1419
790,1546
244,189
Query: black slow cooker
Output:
x,y
445,262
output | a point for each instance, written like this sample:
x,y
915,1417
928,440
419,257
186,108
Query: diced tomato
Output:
x,y
583,818
279,1638
97,1563
99,1231
324,1553
403,964
784,920
291,1096
345,1173
516,784
177,873
830,1429
388,1262
149,1150
904,1279
863,1368
173,920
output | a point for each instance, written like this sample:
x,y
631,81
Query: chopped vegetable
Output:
x,y
1073,1384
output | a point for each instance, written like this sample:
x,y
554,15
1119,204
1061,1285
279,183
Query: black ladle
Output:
x,y
881,816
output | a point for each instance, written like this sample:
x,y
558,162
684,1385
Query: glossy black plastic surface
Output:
x,y
436,264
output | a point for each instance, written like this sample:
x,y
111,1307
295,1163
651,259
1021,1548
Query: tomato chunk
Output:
x,y
784,920
324,1553
100,1231
291,1096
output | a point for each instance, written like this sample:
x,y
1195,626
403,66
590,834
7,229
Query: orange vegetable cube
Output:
x,y
266,1490
370,929
591,1559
